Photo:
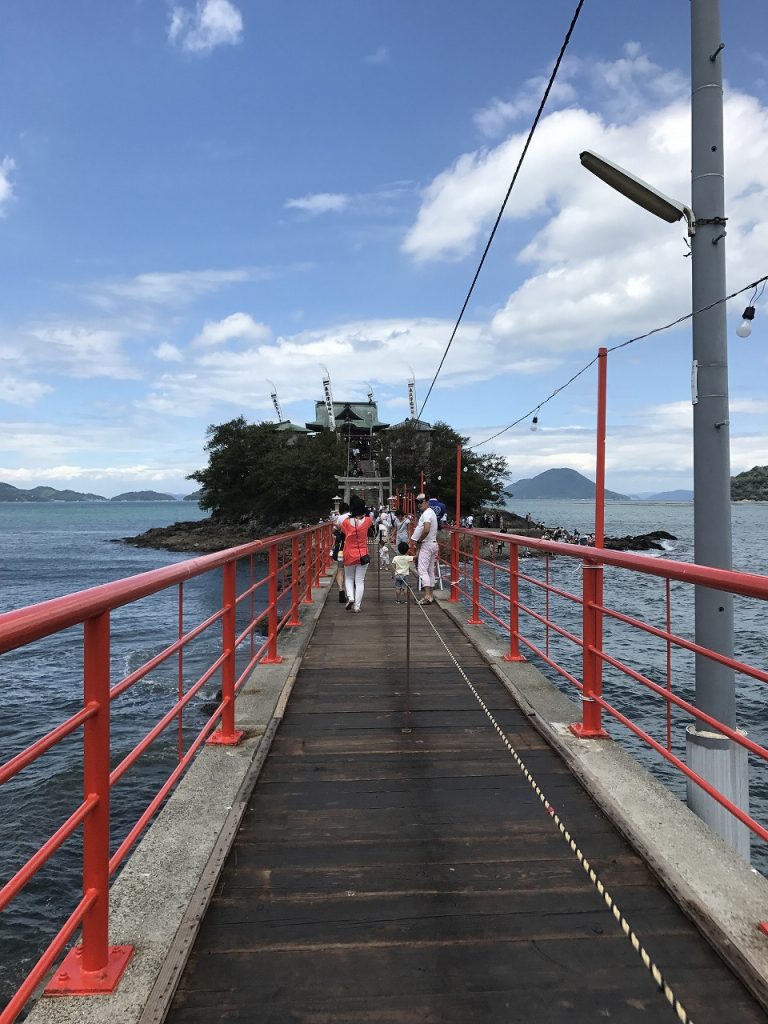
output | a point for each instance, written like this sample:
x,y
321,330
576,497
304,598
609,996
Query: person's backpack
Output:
x,y
438,507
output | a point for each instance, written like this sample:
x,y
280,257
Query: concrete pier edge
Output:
x,y
717,890
162,892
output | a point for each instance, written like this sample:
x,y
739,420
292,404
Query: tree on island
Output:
x,y
256,470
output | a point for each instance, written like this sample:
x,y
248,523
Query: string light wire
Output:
x,y
623,344
531,132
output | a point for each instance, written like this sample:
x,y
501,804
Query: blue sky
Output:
x,y
202,196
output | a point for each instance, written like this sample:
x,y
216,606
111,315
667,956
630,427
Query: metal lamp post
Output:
x,y
710,754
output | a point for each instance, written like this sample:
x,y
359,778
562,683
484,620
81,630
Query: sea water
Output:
x,y
47,550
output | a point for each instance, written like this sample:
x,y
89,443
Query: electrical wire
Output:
x,y
534,125
623,344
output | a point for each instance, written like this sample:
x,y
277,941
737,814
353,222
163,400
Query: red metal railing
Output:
x,y
294,564
477,557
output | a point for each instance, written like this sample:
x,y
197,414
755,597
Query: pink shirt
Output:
x,y
355,538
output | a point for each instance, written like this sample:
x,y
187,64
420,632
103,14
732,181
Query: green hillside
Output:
x,y
143,496
558,483
751,485
41,494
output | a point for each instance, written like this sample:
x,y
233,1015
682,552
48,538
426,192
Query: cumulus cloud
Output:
x,y
236,327
168,353
209,24
6,185
319,202
21,391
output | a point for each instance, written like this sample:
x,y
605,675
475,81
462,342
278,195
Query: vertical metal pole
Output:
x,y
96,782
272,658
308,568
407,727
475,620
294,619
514,606
602,377
227,734
723,764
455,538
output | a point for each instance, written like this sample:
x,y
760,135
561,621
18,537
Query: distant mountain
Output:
x,y
143,496
40,494
558,483
679,495
193,497
751,485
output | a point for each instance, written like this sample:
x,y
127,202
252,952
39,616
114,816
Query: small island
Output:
x,y
143,496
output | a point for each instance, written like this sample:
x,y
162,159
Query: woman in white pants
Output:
x,y
356,557
425,539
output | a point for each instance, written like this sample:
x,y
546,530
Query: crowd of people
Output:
x,y
402,547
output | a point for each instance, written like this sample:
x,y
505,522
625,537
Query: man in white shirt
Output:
x,y
425,539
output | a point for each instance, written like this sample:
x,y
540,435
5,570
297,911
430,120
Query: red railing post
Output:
x,y
318,538
227,734
514,606
590,726
455,565
272,658
308,568
95,966
294,619
475,620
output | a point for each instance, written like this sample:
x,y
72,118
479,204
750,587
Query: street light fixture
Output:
x,y
639,191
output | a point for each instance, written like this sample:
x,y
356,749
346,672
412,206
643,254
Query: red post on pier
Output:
x,y
475,620
514,607
308,568
455,536
94,966
294,619
590,726
228,735
272,658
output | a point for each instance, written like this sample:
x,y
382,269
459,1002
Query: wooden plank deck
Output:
x,y
388,878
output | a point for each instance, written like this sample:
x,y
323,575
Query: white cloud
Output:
x,y
319,202
79,350
20,391
168,353
212,23
237,326
170,289
6,185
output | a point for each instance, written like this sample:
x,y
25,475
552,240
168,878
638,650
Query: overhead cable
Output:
x,y
536,120
623,344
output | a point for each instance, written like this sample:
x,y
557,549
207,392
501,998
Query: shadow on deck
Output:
x,y
382,876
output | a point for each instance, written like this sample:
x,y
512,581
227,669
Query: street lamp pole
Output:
x,y
710,754
722,762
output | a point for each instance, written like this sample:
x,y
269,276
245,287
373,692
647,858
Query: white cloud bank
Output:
x,y
6,185
210,24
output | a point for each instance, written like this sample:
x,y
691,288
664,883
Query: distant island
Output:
x,y
558,483
751,485
678,495
38,494
143,496
9,493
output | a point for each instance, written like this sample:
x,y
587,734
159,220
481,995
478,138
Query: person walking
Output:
x,y
425,539
356,558
401,567
338,550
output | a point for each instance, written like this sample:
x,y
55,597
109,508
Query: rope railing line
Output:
x,y
623,344
663,985
500,214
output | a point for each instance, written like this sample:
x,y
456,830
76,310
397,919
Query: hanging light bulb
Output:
x,y
745,327
534,423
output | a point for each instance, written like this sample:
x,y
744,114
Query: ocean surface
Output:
x,y
47,550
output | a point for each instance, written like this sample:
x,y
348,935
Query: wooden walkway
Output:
x,y
389,878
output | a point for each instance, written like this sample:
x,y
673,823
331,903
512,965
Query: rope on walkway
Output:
x,y
664,988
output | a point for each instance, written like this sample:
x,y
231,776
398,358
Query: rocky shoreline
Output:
x,y
204,536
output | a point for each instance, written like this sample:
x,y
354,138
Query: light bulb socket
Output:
x,y
749,313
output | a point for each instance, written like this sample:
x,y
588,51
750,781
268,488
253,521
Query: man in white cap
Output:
x,y
425,539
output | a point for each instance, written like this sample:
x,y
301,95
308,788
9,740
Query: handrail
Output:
x,y
464,551
294,563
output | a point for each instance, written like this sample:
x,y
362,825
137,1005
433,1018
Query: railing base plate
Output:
x,y
219,739
71,980
588,734
514,657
